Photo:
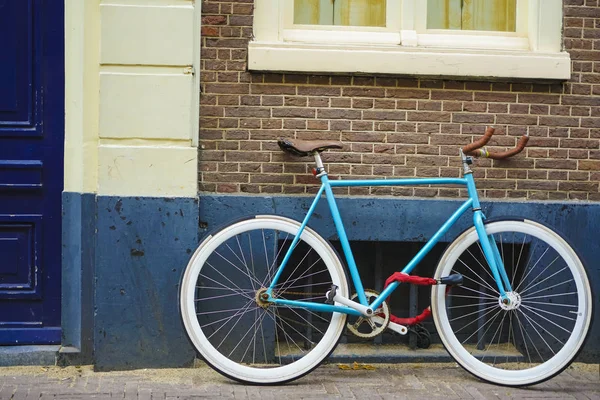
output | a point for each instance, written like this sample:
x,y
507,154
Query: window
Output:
x,y
459,38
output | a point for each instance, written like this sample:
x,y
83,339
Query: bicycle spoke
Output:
x,y
494,337
548,296
489,322
242,339
236,267
304,319
472,305
548,288
477,291
549,312
220,273
274,265
546,319
532,268
486,269
542,281
533,323
491,308
516,266
239,312
523,336
550,304
226,318
241,292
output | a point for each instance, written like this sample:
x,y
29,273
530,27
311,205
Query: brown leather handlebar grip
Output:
x,y
509,153
480,142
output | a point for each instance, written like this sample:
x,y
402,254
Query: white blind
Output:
x,y
481,15
340,12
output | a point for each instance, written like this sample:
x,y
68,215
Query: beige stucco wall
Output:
x,y
132,97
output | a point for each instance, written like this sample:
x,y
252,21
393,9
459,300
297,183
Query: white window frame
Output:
x,y
405,46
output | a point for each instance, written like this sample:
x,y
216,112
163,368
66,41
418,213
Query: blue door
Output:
x,y
31,169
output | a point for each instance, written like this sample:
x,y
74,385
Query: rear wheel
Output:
x,y
543,328
231,325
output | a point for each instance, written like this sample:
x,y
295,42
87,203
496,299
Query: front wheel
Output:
x,y
541,330
240,334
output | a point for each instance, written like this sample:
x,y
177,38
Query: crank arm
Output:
x,y
401,329
364,310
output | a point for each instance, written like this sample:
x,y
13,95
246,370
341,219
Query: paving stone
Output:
x,y
420,381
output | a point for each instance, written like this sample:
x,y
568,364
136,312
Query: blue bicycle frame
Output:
x,y
489,246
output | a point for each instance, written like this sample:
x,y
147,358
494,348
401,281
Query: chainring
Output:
x,y
369,327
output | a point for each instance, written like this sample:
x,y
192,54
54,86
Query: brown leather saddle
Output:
x,y
299,147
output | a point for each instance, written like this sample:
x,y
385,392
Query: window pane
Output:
x,y
340,12
480,15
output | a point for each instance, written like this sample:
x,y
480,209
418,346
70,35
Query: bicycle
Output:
x,y
266,299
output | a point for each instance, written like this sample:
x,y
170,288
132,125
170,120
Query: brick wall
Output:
x,y
396,126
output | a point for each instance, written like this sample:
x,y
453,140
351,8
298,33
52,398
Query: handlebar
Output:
x,y
476,149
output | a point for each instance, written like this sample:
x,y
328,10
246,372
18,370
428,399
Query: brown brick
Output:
x,y
559,121
341,102
472,118
451,95
255,112
385,126
362,125
475,107
428,127
272,89
292,112
363,137
496,97
516,119
385,115
363,92
537,185
581,101
590,122
556,164
407,93
338,114
580,143
317,125
578,186
226,88
319,90
360,103
428,116
339,125
589,165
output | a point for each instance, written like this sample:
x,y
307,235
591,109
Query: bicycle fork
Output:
x,y
488,243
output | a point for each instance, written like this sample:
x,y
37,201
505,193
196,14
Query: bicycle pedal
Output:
x,y
331,294
454,279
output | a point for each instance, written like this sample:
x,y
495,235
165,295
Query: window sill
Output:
x,y
388,59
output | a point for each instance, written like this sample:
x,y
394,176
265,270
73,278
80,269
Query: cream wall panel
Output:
x,y
147,171
150,35
146,106
82,44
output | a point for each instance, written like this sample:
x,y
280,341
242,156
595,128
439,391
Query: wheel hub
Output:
x,y
512,301
262,298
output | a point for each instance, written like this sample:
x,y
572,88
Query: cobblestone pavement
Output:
x,y
411,381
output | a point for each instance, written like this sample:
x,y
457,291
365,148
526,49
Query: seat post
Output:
x,y
320,169
318,160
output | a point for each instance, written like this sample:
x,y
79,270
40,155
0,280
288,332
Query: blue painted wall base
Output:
x,y
78,260
143,245
416,220
123,259
122,262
